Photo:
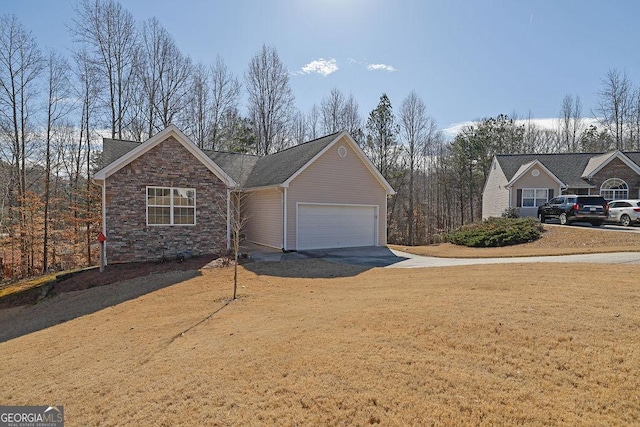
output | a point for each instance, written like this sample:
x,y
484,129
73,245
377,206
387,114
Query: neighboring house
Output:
x,y
166,196
526,181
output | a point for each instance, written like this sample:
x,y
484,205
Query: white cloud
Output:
x,y
321,66
453,129
550,123
381,67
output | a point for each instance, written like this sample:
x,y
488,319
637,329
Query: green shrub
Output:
x,y
511,213
494,232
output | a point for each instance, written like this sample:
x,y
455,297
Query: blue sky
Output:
x,y
466,59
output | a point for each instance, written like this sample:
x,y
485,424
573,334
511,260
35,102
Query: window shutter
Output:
x,y
550,194
519,197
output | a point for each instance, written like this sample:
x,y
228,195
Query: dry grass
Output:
x,y
556,240
24,285
530,344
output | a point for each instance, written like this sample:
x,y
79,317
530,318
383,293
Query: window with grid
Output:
x,y
171,206
614,188
534,197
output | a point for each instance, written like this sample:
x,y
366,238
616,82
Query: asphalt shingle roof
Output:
x,y
113,149
248,170
238,166
568,167
276,168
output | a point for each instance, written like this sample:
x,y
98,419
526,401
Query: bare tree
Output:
x,y
58,106
237,220
173,85
151,57
108,32
539,140
312,122
352,120
634,122
570,123
339,113
225,93
21,64
197,111
299,128
415,128
332,111
164,72
614,106
87,91
270,99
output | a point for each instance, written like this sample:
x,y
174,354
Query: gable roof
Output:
x,y
137,150
345,137
569,168
530,165
277,168
244,170
598,162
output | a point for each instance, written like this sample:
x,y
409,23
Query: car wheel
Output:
x,y
563,219
625,220
541,218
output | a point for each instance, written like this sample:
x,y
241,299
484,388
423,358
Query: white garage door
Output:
x,y
336,226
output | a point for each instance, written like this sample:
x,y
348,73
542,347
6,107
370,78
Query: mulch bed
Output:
x,y
90,278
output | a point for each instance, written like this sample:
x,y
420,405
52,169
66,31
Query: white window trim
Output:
x,y
171,206
535,191
615,191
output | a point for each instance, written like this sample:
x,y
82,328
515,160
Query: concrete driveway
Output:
x,y
605,227
379,256
417,261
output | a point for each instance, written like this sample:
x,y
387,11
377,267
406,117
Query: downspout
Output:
x,y
228,218
104,218
284,219
386,199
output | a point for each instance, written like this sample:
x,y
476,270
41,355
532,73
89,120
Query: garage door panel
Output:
x,y
334,226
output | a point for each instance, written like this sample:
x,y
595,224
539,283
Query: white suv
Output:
x,y
625,212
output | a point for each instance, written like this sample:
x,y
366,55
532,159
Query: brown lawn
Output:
x,y
528,344
556,240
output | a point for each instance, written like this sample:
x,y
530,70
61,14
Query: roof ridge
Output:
x,y
228,152
304,143
122,140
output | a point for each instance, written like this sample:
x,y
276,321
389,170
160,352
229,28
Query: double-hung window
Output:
x,y
171,206
534,197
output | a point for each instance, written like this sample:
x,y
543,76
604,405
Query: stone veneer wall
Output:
x,y
168,164
617,169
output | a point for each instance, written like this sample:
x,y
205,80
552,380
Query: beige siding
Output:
x,y
264,222
495,198
543,180
339,180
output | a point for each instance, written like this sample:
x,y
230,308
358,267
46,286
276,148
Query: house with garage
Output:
x,y
166,196
526,181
